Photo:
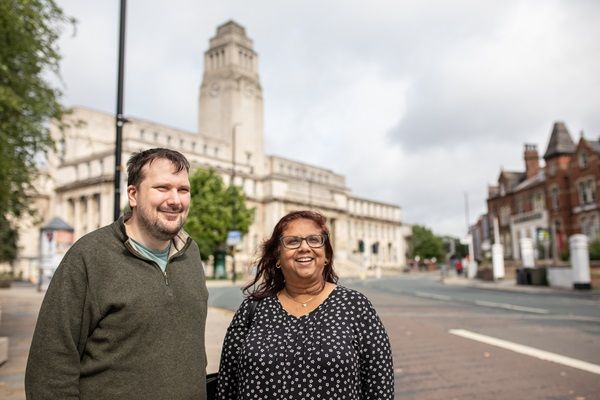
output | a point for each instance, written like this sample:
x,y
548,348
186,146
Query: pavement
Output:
x,y
511,286
19,307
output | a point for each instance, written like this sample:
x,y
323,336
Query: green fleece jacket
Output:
x,y
113,326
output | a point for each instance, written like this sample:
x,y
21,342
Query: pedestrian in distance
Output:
x,y
124,315
299,335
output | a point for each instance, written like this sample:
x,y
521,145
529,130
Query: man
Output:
x,y
124,315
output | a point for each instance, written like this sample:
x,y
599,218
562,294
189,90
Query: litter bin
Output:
x,y
521,276
538,277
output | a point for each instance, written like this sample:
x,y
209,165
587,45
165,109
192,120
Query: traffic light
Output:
x,y
361,246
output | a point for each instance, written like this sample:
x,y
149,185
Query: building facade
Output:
x,y
551,203
230,140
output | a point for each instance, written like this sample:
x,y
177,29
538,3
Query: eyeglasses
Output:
x,y
294,242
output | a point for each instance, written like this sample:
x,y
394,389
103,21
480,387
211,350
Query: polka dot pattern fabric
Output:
x,y
338,351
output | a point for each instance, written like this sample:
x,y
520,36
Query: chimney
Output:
x,y
532,162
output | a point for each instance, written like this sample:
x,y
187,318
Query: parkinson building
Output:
x,y
230,140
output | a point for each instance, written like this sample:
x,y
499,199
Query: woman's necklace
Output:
x,y
304,303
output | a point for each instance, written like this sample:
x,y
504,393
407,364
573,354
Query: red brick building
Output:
x,y
551,203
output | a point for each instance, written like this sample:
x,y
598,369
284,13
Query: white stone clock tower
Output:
x,y
231,101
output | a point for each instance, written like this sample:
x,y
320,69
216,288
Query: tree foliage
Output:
x,y
211,211
460,250
29,31
8,241
426,244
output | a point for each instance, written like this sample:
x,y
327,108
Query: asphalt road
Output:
x,y
457,342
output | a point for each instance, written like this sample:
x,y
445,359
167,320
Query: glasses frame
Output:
x,y
304,239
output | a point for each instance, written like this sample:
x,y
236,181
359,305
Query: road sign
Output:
x,y
234,238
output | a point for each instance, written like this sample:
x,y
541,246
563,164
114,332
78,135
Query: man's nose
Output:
x,y
174,197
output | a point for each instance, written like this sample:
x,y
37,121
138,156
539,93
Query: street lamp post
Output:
x,y
233,202
120,120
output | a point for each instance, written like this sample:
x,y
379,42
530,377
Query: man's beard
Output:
x,y
157,228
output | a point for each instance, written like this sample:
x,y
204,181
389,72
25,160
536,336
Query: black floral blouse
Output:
x,y
338,351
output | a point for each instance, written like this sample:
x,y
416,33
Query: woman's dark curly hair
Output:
x,y
269,279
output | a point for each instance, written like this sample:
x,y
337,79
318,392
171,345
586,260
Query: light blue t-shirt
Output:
x,y
160,257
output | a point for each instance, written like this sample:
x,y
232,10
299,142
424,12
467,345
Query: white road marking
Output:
x,y
530,351
511,307
433,296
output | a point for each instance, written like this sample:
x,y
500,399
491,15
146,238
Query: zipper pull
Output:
x,y
166,278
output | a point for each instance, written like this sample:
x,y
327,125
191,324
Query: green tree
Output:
x,y
460,250
211,211
28,53
8,241
594,248
425,244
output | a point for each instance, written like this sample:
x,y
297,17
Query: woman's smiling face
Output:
x,y
305,262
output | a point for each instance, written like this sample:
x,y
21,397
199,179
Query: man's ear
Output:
x,y
132,195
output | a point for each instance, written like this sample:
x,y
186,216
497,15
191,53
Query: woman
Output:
x,y
307,338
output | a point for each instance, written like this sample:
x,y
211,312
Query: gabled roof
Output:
x,y
560,141
512,179
594,145
535,180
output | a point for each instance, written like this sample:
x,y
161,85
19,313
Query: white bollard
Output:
x,y
527,257
472,268
498,261
580,261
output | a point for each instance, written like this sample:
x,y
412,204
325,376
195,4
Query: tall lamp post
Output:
x,y
120,120
233,203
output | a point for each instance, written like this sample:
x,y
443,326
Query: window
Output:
x,y
504,215
587,191
142,134
62,148
538,202
97,210
554,198
519,206
583,160
552,168
589,226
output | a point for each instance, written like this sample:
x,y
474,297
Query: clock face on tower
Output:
x,y
214,89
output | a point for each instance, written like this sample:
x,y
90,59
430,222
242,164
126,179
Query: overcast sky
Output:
x,y
415,102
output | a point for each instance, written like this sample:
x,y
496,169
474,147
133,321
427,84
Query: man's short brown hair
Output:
x,y
141,158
